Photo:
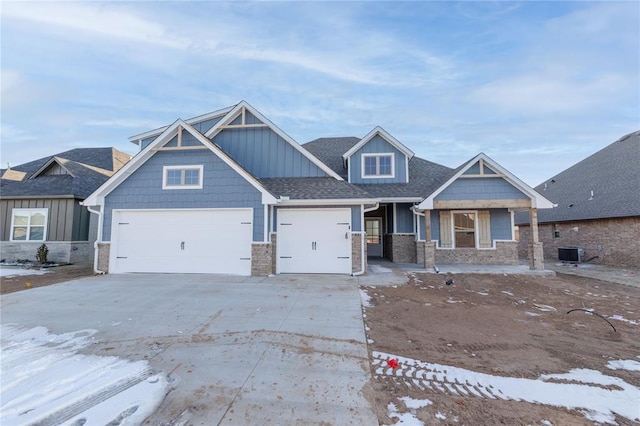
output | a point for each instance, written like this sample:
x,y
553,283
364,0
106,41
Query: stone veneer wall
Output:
x,y
274,251
402,248
356,252
505,253
261,259
103,257
616,242
77,252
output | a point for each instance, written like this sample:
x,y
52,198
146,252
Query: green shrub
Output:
x,y
42,253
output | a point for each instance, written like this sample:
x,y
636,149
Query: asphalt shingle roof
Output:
x,y
313,188
613,174
82,181
424,176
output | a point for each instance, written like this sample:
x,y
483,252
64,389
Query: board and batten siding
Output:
x,y
404,218
67,220
378,145
481,189
222,188
265,154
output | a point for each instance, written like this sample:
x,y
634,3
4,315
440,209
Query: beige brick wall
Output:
x,y
103,256
356,252
261,259
505,253
616,242
274,251
402,248
77,252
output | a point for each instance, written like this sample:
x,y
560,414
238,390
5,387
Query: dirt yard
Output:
x,y
54,275
502,325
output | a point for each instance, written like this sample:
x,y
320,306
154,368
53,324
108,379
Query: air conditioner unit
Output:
x,y
570,254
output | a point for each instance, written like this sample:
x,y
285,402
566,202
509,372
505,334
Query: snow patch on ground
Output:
x,y
365,298
593,393
624,364
408,419
415,403
45,380
14,272
440,416
623,319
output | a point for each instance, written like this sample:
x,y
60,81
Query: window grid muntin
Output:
x,y
29,224
378,165
182,177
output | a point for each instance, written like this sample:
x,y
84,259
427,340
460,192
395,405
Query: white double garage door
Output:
x,y
219,241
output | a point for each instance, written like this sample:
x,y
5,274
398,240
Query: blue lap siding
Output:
x,y
481,189
222,188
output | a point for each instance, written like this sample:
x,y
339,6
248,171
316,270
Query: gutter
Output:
x,y
98,240
363,269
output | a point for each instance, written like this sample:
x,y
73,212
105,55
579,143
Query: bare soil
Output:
x,y
508,325
56,274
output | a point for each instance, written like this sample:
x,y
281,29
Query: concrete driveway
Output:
x,y
278,350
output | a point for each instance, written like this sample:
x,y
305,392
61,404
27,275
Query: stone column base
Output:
x,y
429,254
536,257
261,259
103,256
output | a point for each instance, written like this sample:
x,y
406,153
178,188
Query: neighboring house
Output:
x,y
229,192
40,203
598,207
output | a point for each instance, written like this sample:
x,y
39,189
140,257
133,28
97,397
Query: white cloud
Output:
x,y
93,18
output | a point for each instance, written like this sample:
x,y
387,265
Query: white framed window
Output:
x,y
378,166
465,229
29,224
182,177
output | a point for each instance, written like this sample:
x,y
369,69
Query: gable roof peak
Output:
x,y
379,131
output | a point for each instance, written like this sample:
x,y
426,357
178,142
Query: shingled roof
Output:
x,y
313,188
87,168
424,176
613,174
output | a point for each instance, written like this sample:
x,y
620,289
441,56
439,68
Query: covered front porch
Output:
x,y
391,230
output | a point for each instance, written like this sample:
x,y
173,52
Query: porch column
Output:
x,y
429,246
536,254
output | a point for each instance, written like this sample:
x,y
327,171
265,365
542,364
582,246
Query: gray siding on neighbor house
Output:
x,y
481,189
356,222
265,154
67,220
404,218
222,188
378,145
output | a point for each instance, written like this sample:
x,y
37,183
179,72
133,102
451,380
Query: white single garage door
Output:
x,y
314,241
182,241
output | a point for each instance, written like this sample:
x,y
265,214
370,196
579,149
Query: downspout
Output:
x,y
363,240
98,240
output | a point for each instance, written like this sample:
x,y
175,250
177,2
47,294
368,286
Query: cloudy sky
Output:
x,y
537,86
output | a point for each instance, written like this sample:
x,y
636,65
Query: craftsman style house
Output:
x,y
40,203
229,192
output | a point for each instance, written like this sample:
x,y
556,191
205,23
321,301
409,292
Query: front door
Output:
x,y
373,227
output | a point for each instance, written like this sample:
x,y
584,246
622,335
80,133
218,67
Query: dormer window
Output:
x,y
378,166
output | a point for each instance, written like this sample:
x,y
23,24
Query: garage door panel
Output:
x,y
313,241
183,241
